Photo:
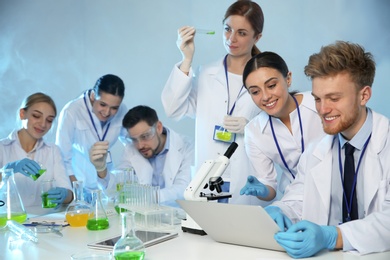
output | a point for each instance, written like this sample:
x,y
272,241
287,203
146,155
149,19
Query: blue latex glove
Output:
x,y
277,215
305,239
254,187
25,166
87,195
58,195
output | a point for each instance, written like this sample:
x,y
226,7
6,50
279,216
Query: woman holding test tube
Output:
x,y
286,125
91,124
24,150
216,96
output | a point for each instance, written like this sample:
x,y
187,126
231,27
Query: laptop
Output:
x,y
243,225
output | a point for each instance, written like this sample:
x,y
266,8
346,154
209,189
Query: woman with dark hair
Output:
x,y
94,120
215,94
25,151
286,125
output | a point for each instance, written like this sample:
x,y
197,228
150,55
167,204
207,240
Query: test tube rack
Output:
x,y
144,200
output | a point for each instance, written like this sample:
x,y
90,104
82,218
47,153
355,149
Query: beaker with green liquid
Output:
x,y
129,246
11,205
98,219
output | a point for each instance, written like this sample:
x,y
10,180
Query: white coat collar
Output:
x,y
321,172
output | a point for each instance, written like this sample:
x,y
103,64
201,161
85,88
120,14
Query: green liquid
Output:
x,y
97,224
36,176
46,202
132,255
19,217
119,210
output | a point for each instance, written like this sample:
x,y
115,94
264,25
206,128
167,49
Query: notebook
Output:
x,y
243,225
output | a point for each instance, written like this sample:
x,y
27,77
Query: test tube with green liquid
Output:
x,y
205,31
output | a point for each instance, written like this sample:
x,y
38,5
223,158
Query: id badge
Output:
x,y
109,159
223,135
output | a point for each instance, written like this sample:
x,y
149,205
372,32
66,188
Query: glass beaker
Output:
x,y
129,246
78,212
45,187
11,205
98,218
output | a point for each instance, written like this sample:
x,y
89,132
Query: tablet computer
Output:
x,y
148,237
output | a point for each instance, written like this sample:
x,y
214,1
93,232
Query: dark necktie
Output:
x,y
349,185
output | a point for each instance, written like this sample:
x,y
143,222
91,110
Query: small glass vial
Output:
x,y
78,212
98,218
129,246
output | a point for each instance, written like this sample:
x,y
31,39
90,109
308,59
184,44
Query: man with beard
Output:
x,y
323,208
159,156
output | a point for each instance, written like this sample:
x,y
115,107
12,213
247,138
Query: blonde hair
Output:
x,y
343,57
38,98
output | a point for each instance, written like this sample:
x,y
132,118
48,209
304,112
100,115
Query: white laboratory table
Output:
x,y
185,246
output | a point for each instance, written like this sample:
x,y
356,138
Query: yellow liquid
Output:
x,y
77,220
19,217
225,136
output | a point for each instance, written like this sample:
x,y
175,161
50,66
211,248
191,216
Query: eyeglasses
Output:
x,y
147,136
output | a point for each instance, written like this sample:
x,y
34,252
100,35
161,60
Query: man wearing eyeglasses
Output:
x,y
159,156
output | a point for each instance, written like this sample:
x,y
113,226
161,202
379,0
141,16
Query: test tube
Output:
x,y
205,31
22,231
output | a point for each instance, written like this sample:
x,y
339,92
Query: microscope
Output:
x,y
207,179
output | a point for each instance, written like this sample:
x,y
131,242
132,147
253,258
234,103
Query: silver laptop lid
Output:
x,y
234,224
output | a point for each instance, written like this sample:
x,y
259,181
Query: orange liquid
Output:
x,y
77,220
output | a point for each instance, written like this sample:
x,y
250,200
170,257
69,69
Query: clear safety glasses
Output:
x,y
147,136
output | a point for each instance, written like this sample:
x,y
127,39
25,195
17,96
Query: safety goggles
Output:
x,y
147,136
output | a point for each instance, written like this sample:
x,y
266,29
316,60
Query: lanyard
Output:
x,y
93,123
227,86
276,140
349,204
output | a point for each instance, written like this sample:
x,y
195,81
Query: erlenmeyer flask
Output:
x,y
129,246
77,213
98,218
11,205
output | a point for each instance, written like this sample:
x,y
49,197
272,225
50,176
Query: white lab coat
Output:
x,y
48,155
76,135
177,167
308,197
204,97
261,148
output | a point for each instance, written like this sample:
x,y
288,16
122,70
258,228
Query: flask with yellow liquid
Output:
x,y
78,212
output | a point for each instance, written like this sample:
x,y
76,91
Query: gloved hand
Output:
x,y
98,155
25,166
305,239
254,187
185,42
57,195
87,195
277,215
235,124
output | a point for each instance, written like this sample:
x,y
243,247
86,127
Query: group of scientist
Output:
x,y
317,161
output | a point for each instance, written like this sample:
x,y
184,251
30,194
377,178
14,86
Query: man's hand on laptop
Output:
x,y
277,215
306,238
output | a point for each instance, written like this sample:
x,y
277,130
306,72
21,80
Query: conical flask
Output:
x,y
129,246
98,218
11,205
78,212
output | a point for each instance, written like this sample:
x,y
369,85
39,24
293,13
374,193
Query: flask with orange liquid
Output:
x,y
78,211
